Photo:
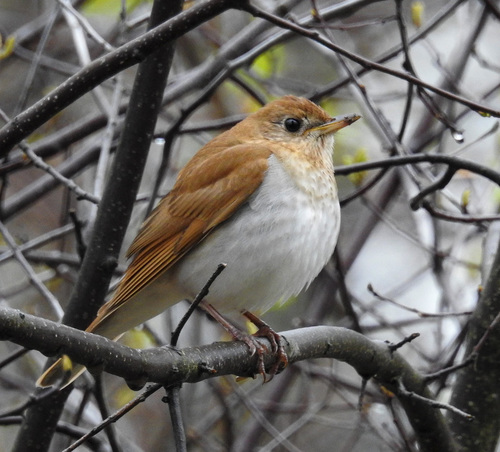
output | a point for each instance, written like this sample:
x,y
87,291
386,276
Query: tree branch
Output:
x,y
105,67
476,389
167,366
118,198
314,35
453,165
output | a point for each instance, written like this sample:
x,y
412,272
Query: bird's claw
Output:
x,y
264,330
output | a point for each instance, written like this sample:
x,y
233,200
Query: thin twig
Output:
x,y
173,132
407,64
173,392
283,23
457,218
103,408
199,298
115,416
70,166
406,340
106,146
432,403
416,311
39,163
174,405
459,163
105,67
64,428
35,61
13,356
78,34
377,115
472,356
33,277
491,326
362,392
84,23
81,248
448,370
37,242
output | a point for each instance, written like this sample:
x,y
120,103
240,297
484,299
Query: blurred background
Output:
x,y
429,261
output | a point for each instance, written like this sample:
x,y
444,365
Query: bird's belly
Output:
x,y
274,246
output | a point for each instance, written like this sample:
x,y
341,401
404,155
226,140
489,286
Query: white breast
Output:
x,y
274,246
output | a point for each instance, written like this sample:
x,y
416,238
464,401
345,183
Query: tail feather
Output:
x,y
112,324
61,374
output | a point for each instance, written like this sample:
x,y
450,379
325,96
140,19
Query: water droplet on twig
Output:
x,y
458,136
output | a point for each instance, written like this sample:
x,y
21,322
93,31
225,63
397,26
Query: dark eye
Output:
x,y
292,124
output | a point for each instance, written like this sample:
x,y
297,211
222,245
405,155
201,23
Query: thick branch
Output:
x,y
105,67
476,388
114,210
168,366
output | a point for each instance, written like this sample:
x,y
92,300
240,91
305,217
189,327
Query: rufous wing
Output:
x,y
209,190
212,186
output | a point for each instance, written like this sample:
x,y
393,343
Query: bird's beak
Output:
x,y
337,123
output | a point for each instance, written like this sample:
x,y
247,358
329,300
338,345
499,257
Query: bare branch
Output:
x,y
105,67
169,366
33,277
257,12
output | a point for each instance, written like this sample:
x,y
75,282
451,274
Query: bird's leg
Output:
x,y
264,330
253,345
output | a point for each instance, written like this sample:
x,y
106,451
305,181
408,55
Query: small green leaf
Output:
x,y
138,338
7,47
110,7
360,156
269,63
465,199
417,13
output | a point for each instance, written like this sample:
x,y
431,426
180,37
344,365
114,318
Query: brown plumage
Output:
x,y
260,197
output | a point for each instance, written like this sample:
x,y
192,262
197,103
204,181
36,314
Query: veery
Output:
x,y
260,197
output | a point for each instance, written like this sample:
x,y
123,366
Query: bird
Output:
x,y
260,197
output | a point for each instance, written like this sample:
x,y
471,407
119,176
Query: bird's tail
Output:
x,y
62,373
112,321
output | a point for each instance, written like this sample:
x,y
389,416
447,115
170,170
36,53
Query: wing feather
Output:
x,y
213,185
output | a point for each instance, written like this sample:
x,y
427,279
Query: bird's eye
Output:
x,y
292,124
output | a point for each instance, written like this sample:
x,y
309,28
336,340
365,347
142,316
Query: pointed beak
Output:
x,y
337,123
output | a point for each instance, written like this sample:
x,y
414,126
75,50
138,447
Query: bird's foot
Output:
x,y
264,330
254,346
